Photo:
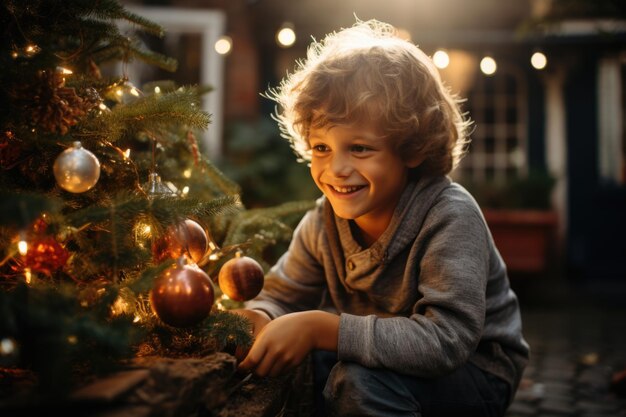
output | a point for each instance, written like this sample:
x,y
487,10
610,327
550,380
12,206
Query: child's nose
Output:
x,y
340,165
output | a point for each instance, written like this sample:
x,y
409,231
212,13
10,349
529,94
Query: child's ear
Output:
x,y
414,161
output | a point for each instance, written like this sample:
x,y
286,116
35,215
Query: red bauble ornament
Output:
x,y
241,278
182,295
187,238
45,255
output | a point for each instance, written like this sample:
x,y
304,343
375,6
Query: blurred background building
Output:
x,y
545,82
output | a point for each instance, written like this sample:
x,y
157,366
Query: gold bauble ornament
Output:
x,y
241,278
182,295
76,169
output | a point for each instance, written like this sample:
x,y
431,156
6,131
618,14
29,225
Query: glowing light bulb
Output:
x,y
64,71
488,65
538,60
286,36
7,346
224,45
22,247
441,59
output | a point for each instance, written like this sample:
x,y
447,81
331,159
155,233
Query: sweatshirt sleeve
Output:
x,y
296,282
450,258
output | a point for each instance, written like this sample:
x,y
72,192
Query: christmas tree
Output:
x,y
108,205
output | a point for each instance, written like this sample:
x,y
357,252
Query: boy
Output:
x,y
394,274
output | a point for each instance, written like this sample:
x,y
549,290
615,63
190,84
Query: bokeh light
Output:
x,y
538,60
223,45
441,59
488,65
286,35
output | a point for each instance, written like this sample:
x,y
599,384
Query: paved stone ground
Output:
x,y
577,334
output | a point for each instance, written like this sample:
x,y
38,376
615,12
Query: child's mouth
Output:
x,y
347,189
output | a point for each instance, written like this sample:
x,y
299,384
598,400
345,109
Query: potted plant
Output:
x,y
521,219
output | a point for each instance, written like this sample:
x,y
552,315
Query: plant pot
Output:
x,y
525,238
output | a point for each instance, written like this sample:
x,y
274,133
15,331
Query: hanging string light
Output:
x,y
224,45
538,60
441,59
286,35
488,65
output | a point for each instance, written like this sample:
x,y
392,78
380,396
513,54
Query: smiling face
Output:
x,y
360,173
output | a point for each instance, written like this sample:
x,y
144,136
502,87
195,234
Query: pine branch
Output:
x,y
260,228
149,113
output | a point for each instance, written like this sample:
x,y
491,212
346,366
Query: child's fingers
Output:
x,y
253,358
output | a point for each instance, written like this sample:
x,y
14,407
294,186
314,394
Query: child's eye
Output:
x,y
359,148
320,148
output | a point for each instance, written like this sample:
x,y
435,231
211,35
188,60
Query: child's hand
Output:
x,y
259,319
285,341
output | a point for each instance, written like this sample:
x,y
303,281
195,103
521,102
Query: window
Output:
x,y
190,36
611,116
497,106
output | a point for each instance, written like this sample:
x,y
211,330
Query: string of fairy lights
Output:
x,y
286,38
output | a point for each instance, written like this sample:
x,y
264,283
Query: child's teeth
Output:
x,y
346,189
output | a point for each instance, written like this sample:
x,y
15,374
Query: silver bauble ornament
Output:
x,y
76,169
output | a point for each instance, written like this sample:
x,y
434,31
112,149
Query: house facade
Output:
x,y
563,116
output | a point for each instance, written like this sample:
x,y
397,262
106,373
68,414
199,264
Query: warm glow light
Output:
x,y
127,153
22,247
64,71
286,36
488,65
157,89
224,45
7,346
441,59
142,232
185,190
31,50
187,173
539,60
134,91
119,307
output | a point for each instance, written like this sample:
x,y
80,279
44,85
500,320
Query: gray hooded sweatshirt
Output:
x,y
429,295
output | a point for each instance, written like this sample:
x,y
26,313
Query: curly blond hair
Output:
x,y
366,74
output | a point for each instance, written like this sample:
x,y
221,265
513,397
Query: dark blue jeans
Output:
x,y
349,389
